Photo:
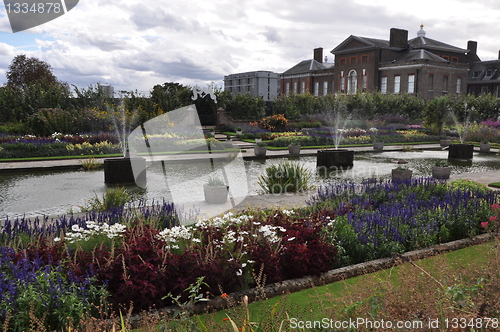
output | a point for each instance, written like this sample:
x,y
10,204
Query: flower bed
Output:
x,y
144,256
29,146
325,136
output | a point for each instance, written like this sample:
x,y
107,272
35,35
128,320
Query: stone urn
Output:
x,y
441,172
258,140
378,146
260,151
294,149
341,158
401,174
460,151
484,147
215,194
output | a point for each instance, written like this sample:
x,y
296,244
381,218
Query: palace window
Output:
x,y
459,85
411,83
352,82
397,84
383,84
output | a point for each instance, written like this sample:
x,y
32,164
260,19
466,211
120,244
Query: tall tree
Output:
x,y
24,71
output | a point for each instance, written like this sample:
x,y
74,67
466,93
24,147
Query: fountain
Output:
x,y
338,158
120,171
461,151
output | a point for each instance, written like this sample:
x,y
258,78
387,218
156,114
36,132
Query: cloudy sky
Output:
x,y
134,45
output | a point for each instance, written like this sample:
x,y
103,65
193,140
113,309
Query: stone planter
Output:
x,y
239,132
120,171
442,173
215,195
445,142
460,151
212,133
378,146
484,147
294,150
258,140
335,158
260,151
401,175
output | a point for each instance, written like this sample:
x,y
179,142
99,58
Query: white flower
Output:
x,y
239,272
291,239
57,239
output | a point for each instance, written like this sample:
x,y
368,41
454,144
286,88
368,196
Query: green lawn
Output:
x,y
361,295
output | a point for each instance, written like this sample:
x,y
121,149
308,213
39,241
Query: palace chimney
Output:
x,y
399,38
318,54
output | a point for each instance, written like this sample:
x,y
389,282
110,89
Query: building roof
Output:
x,y
304,67
419,54
366,42
485,72
419,42
431,44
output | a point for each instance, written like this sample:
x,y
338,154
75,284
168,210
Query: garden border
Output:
x,y
299,284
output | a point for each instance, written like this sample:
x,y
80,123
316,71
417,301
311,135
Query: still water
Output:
x,y
60,192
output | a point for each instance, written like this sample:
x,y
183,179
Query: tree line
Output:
x,y
32,89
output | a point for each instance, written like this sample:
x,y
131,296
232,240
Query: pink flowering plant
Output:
x,y
493,224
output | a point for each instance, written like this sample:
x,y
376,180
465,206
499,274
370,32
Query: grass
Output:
x,y
494,184
285,177
447,285
113,198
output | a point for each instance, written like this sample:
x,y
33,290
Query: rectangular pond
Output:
x,y
61,192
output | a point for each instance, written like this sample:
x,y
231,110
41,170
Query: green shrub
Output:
x,y
113,198
285,177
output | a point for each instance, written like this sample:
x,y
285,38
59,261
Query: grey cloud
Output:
x,y
181,67
145,17
104,42
272,34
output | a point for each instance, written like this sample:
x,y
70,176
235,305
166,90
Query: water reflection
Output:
x,y
58,192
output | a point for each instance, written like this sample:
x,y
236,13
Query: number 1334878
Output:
x,y
35,8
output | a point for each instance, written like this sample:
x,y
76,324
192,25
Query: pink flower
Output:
x,y
495,206
493,219
484,224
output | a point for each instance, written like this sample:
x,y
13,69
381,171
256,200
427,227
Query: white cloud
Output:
x,y
135,45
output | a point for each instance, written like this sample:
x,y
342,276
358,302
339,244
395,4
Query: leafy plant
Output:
x,y
215,182
436,114
285,177
90,164
441,163
113,198
45,292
